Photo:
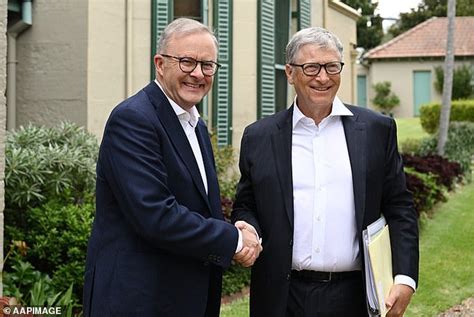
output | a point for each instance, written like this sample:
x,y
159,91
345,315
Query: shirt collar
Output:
x,y
191,116
338,110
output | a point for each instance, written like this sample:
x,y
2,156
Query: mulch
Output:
x,y
232,297
465,309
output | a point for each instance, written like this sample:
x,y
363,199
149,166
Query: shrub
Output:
x,y
461,110
426,192
226,168
384,99
56,237
49,199
33,288
445,172
235,279
49,163
410,146
462,77
458,148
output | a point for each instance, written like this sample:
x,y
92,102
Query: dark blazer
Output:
x,y
265,198
158,242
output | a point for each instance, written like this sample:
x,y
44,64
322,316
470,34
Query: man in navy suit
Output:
x,y
159,240
312,178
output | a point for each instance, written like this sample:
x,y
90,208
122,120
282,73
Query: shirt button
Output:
x,y
317,250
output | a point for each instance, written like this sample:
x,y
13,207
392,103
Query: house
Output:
x,y
409,60
75,60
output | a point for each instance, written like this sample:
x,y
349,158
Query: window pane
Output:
x,y
187,8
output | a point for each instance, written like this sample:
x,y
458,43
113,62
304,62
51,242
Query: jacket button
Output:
x,y
288,276
291,243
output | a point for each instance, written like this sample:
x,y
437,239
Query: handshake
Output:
x,y
251,245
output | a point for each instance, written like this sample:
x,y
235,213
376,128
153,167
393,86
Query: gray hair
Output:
x,y
314,36
182,26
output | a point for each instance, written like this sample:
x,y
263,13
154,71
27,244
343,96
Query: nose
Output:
x,y
323,75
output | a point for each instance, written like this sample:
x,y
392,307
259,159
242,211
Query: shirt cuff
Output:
x,y
405,280
239,243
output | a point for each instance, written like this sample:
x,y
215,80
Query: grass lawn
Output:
x,y
409,128
446,259
446,256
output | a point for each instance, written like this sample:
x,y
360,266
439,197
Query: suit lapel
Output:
x,y
212,183
176,134
356,140
281,145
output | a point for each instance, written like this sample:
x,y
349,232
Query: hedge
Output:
x,y
461,110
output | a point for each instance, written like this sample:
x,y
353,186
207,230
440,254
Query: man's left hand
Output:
x,y
398,300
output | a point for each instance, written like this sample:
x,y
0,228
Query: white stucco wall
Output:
x,y
400,74
118,53
340,20
244,77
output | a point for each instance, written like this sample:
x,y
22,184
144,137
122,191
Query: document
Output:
x,y
378,265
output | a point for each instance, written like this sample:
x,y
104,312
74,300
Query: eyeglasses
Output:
x,y
189,64
313,69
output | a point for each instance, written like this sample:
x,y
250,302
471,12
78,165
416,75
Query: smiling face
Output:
x,y
186,89
314,91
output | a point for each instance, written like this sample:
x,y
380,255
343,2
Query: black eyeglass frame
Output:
x,y
303,67
196,62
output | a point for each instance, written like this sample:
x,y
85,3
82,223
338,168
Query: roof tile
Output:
x,y
428,39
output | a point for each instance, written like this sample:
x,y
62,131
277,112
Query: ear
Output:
x,y
159,61
289,71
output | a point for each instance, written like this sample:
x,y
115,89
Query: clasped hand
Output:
x,y
251,246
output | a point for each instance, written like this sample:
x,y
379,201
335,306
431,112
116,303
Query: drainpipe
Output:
x,y
12,33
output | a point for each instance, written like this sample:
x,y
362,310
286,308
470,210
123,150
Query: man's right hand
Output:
x,y
251,246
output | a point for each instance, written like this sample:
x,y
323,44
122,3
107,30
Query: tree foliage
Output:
x,y
427,9
462,88
369,25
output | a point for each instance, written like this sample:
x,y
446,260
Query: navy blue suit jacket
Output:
x,y
265,198
159,242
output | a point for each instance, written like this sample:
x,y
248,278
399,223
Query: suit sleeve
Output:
x,y
244,206
397,206
132,163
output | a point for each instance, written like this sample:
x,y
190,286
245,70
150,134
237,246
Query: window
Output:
x,y
188,8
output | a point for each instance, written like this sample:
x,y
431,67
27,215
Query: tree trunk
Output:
x,y
448,80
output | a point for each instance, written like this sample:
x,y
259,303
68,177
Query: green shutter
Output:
x,y
161,16
304,8
222,91
266,68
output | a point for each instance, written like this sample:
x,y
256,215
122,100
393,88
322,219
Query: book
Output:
x,y
378,265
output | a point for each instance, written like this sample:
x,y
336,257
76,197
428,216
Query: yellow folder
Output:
x,y
378,260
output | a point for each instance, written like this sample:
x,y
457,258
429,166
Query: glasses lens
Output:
x,y
187,64
208,68
311,69
333,68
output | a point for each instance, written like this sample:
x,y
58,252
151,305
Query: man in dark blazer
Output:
x,y
159,239
312,178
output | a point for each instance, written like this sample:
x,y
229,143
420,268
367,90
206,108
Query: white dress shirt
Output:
x,y
325,236
189,120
